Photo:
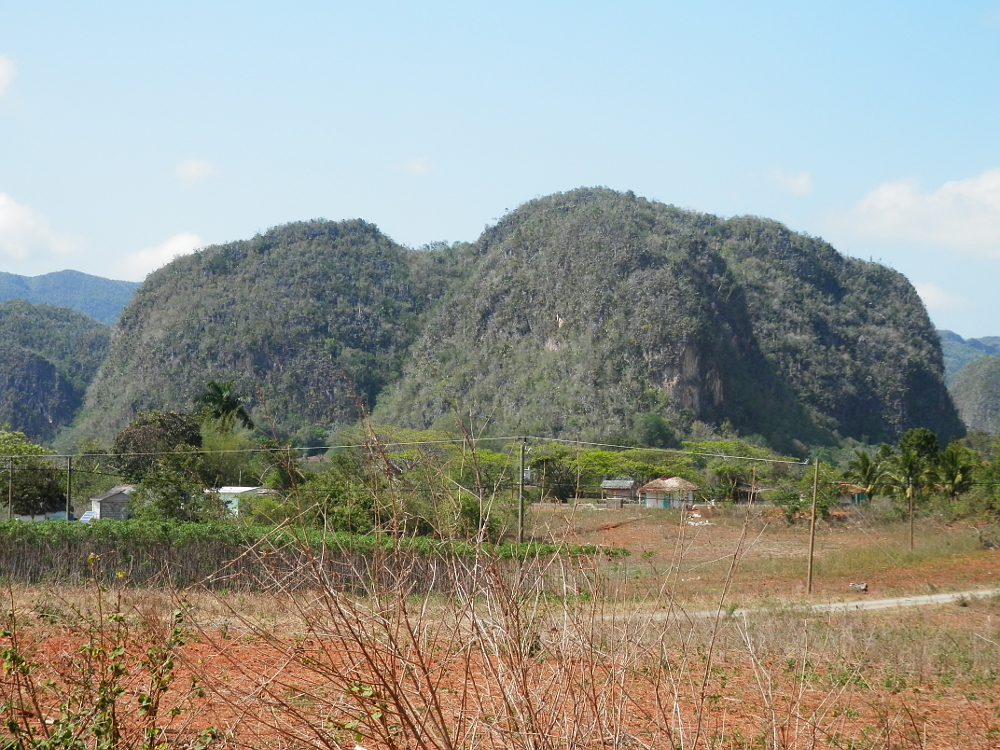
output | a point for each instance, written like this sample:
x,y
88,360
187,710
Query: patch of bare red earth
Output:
x,y
772,704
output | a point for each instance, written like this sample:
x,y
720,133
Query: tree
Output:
x,y
554,474
340,497
730,478
32,484
954,469
226,458
921,441
220,402
173,489
151,434
654,431
870,472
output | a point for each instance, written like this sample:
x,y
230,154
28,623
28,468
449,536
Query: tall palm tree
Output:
x,y
223,404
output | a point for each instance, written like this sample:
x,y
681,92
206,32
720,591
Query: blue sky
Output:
x,y
130,132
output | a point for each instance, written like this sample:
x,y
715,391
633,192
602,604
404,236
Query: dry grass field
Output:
x,y
700,638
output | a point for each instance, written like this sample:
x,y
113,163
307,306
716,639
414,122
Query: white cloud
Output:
x,y
193,170
24,233
938,300
7,72
963,214
796,184
418,166
139,264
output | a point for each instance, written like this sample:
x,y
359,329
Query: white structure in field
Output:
x,y
231,496
667,492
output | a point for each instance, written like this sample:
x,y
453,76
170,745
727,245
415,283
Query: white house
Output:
x,y
667,492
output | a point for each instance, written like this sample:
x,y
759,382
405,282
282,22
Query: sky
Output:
x,y
134,132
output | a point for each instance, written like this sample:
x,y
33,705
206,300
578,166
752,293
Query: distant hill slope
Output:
x,y
315,317
959,352
48,356
102,299
976,392
587,309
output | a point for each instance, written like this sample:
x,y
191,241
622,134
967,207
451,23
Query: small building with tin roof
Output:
x,y
616,491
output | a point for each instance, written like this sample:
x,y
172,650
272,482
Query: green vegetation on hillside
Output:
x,y
959,352
313,319
851,338
589,315
587,311
48,356
975,390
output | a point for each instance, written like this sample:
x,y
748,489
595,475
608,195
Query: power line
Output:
x,y
369,444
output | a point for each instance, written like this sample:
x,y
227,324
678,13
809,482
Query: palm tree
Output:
x,y
220,402
954,470
867,471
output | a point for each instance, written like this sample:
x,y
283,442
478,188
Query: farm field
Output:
x,y
672,646
773,556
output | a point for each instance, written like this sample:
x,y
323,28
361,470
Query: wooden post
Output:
x,y
69,488
911,493
812,530
520,497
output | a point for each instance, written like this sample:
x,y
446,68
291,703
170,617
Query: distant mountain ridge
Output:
x,y
102,299
972,369
958,352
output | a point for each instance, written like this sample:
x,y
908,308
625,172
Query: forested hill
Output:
x,y
594,314
312,319
590,314
102,299
48,356
976,391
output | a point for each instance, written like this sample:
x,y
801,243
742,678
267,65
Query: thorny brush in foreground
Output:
x,y
110,691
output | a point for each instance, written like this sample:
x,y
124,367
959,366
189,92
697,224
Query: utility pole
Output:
x,y
10,488
520,496
812,530
69,488
911,493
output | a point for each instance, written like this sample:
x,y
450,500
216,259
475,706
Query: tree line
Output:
x,y
427,483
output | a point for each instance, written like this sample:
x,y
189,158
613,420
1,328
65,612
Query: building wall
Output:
x,y
114,508
667,500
